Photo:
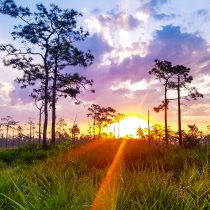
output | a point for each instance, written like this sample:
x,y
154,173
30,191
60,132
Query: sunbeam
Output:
x,y
110,179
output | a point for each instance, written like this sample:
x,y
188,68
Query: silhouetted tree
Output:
x,y
105,118
61,123
20,133
192,139
193,131
117,118
163,72
140,133
38,96
157,132
54,34
180,82
172,136
8,123
74,131
208,129
89,130
1,130
31,129
9,7
101,116
13,128
94,112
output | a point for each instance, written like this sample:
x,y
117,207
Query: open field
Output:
x,y
107,175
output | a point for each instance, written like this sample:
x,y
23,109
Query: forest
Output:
x,y
112,165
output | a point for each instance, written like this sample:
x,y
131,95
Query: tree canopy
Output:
x,y
49,37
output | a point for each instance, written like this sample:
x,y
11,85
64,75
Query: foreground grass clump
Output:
x,y
86,177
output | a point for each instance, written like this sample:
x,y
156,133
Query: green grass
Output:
x,y
149,178
29,154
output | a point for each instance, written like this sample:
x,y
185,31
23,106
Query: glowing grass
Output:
x,y
111,175
110,181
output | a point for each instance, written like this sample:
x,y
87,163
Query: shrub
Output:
x,y
191,142
65,146
8,155
42,155
27,157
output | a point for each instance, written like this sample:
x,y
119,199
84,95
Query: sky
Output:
x,y
126,36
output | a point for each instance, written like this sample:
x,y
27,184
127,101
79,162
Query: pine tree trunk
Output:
x,y
99,132
40,120
166,122
33,133
54,102
149,139
179,113
53,111
94,127
30,132
45,108
7,135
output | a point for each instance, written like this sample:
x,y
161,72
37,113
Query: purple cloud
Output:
x,y
169,43
97,45
174,45
20,96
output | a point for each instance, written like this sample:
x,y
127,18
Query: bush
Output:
x,y
191,142
27,157
8,155
42,155
65,146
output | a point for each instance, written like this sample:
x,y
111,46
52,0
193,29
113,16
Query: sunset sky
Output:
x,y
125,38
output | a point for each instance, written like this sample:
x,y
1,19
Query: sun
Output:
x,y
127,126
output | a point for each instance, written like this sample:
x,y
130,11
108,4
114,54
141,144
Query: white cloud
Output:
x,y
5,89
93,25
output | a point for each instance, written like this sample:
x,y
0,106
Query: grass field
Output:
x,y
106,175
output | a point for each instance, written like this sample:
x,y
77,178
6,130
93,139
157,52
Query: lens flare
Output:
x,y
110,181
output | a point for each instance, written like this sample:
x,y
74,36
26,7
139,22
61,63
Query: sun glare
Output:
x,y
142,16
127,126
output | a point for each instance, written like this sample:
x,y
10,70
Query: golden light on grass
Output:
x,y
80,151
127,126
107,190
